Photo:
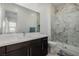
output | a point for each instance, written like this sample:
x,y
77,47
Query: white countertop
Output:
x,y
8,39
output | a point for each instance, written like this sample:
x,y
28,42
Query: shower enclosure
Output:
x,y
65,23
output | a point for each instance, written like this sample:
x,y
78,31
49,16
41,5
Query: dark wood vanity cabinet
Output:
x,y
19,49
18,52
44,46
37,47
2,51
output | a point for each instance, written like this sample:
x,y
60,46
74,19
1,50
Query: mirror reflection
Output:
x,y
17,19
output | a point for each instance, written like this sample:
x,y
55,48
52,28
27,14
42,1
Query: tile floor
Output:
x,y
50,54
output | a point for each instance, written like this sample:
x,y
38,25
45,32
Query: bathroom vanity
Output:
x,y
20,32
26,47
17,37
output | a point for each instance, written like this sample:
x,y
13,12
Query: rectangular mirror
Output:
x,y
9,23
18,19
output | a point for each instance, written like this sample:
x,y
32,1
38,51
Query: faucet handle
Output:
x,y
66,41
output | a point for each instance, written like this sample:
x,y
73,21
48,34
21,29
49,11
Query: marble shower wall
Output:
x,y
65,24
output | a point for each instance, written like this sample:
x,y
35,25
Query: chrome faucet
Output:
x,y
23,33
67,41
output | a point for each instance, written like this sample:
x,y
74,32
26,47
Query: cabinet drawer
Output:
x,y
18,52
17,46
2,51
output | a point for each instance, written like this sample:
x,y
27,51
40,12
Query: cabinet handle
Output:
x,y
30,51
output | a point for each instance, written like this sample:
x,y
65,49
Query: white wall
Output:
x,y
0,18
45,19
32,6
45,15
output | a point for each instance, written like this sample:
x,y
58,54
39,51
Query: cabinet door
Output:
x,y
2,51
35,49
44,46
18,52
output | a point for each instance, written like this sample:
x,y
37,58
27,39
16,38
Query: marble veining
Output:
x,y
55,47
7,39
65,28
